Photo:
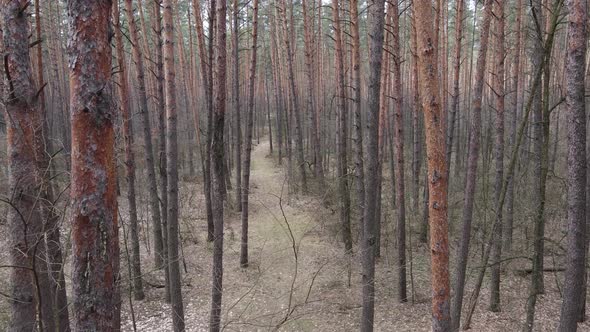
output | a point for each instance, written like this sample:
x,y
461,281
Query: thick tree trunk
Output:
x,y
470,182
31,292
437,167
248,144
376,20
576,161
95,240
172,169
129,156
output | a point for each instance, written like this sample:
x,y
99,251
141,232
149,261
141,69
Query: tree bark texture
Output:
x,y
95,240
437,166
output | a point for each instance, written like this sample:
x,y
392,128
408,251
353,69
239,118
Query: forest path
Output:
x,y
277,290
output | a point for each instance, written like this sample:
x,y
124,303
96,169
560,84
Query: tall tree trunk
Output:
x,y
217,178
437,167
294,102
56,304
342,138
540,130
496,251
383,110
95,240
311,98
129,156
398,134
172,169
206,77
577,167
456,80
147,135
31,293
236,97
359,171
248,143
471,180
417,130
376,20
516,106
161,111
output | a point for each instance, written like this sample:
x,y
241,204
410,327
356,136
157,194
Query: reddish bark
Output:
x,y
437,166
95,241
30,289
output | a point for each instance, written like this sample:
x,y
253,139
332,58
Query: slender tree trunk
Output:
x,y
147,136
359,171
172,169
383,110
456,79
437,167
95,240
161,104
206,76
398,135
496,251
470,182
248,143
417,131
123,87
577,168
311,107
516,105
56,304
217,180
342,138
376,20
540,127
236,99
296,111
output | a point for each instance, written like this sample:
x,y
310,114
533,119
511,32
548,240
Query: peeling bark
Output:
x,y
437,166
95,241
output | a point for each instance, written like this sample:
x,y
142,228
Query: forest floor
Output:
x,y
309,290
